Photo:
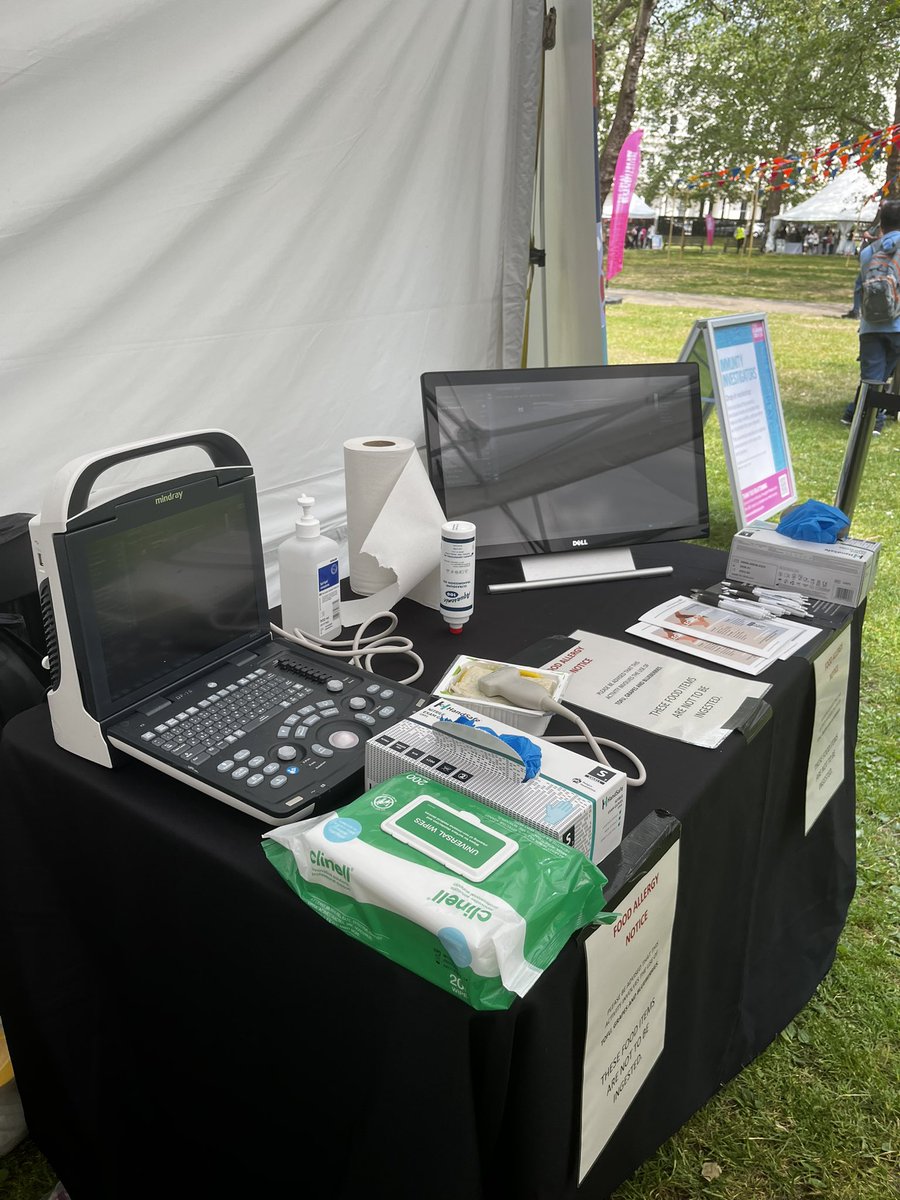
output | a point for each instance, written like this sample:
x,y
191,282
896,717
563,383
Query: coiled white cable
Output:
x,y
360,650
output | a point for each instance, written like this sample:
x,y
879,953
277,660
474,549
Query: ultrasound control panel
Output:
x,y
279,734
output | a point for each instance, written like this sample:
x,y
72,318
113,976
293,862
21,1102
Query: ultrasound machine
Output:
x,y
159,644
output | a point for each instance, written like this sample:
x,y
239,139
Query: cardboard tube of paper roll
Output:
x,y
393,526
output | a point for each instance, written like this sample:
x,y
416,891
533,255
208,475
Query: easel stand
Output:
x,y
870,397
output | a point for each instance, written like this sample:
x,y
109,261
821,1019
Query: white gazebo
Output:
x,y
638,209
844,202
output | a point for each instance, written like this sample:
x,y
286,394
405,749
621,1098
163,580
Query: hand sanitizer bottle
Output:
x,y
310,579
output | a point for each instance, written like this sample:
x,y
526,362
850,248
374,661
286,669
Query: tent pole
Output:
x,y
752,224
543,239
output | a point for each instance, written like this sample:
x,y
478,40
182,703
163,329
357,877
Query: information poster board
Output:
x,y
737,375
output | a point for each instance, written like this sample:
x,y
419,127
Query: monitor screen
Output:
x,y
164,582
567,458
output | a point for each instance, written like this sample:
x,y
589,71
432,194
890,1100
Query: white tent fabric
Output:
x,y
843,202
265,218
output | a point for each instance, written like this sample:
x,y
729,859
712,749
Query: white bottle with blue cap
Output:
x,y
310,578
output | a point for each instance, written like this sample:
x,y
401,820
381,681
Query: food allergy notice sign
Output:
x,y
628,984
738,356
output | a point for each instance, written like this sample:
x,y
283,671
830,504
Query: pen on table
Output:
x,y
746,608
789,599
780,607
798,596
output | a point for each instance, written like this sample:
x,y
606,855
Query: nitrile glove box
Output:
x,y
573,798
841,571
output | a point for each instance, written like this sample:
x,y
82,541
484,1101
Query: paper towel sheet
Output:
x,y
393,527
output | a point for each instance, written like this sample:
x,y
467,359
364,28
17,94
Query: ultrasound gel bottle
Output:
x,y
457,573
310,579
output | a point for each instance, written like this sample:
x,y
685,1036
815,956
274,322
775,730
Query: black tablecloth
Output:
x,y
182,1025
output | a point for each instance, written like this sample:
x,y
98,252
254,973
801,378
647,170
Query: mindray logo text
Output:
x,y
167,497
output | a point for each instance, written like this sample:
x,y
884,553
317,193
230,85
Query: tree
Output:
x,y
738,82
616,58
893,161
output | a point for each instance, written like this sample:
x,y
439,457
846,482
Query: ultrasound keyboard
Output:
x,y
279,734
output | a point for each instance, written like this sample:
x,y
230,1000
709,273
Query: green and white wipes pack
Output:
x,y
466,897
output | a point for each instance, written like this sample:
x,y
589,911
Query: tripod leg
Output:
x,y
857,447
847,415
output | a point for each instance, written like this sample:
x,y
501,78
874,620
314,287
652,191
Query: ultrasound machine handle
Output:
x,y
70,489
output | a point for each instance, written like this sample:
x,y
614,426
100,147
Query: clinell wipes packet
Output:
x,y
464,896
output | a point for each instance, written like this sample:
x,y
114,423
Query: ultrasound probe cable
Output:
x,y
360,650
509,684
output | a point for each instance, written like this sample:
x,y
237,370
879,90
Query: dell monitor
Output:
x,y
571,460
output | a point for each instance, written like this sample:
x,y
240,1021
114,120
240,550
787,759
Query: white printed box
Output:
x,y
842,571
573,798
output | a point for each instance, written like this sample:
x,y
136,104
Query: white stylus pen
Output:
x,y
746,608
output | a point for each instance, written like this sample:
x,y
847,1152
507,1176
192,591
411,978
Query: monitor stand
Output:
x,y
582,566
576,562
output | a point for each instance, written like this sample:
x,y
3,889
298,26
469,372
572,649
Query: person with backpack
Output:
x,y
879,308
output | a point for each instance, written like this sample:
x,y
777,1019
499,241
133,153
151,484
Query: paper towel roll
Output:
x,y
372,466
393,525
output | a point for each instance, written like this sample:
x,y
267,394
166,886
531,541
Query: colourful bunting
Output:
x,y
809,166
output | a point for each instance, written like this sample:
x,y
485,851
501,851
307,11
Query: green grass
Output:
x,y
817,1114
815,278
25,1174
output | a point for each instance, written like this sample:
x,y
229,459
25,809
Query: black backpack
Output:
x,y
880,302
23,681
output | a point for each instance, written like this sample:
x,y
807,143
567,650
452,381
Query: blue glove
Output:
x,y
814,521
527,750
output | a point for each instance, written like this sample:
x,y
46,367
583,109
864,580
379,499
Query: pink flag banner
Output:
x,y
627,166
710,228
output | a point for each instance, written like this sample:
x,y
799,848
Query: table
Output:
x,y
181,1024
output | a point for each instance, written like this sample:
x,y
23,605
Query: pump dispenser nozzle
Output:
x,y
307,526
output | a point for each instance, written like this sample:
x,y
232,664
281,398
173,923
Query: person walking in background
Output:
x,y
739,235
879,325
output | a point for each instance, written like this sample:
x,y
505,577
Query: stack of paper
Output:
x,y
720,636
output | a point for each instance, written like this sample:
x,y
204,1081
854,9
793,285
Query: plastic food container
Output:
x,y
463,673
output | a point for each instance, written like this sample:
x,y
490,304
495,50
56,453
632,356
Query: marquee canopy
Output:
x,y
638,209
842,203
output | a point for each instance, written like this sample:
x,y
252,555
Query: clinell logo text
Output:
x,y
318,859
